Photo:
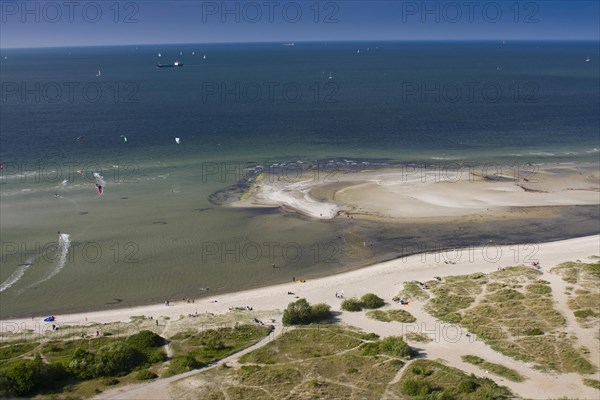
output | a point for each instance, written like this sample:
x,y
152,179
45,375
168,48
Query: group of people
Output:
x,y
247,308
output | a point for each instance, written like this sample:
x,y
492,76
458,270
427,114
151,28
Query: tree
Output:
x,y
297,313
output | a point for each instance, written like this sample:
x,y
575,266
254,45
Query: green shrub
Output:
x,y
584,313
391,345
468,385
413,387
395,346
297,313
145,375
183,363
113,359
110,381
352,304
320,311
372,301
25,377
145,340
301,313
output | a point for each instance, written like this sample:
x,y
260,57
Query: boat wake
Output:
x,y
64,243
14,278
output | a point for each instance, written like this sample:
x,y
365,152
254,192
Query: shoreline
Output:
x,y
274,297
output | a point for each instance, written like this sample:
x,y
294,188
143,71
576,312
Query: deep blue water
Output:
x,y
400,101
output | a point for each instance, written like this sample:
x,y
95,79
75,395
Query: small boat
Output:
x,y
330,76
587,59
175,64
99,73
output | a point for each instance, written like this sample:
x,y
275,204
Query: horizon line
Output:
x,y
293,41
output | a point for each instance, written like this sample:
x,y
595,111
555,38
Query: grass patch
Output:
x,y
592,383
391,315
417,337
315,361
203,348
321,341
496,369
15,350
426,379
412,292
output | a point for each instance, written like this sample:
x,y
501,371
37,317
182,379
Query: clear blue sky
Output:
x,y
110,22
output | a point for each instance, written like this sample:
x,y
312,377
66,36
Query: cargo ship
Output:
x,y
175,64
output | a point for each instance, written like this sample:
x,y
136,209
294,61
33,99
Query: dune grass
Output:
x,y
413,292
592,383
426,379
494,368
584,296
345,365
514,314
391,315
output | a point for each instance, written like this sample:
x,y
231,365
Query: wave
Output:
x,y
15,276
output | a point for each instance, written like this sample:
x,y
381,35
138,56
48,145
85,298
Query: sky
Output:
x,y
109,22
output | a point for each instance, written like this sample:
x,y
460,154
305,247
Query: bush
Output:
x,y
352,304
413,387
297,313
391,345
110,381
371,301
468,385
584,313
302,313
395,346
320,311
113,359
145,375
28,376
184,363
145,340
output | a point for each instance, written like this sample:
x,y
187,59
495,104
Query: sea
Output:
x,y
170,146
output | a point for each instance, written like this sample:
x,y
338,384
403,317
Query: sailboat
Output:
x,y
330,76
204,58
98,74
160,55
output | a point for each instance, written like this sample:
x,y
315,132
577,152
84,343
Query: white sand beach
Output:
x,y
385,279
